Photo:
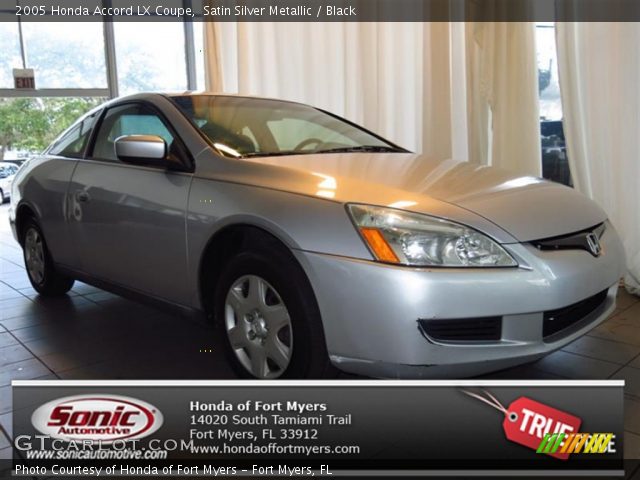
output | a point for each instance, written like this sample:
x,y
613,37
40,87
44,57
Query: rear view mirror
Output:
x,y
142,150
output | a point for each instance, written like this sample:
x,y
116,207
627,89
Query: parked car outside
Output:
x,y
8,168
313,243
7,173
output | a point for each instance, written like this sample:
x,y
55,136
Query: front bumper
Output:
x,y
370,311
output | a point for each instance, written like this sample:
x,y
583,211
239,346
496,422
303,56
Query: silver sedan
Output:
x,y
312,242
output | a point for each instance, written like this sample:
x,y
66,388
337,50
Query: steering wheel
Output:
x,y
308,141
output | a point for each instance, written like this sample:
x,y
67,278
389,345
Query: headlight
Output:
x,y
397,236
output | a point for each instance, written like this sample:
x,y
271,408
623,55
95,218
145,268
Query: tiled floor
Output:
x,y
92,334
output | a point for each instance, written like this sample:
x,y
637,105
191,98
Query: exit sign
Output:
x,y
24,78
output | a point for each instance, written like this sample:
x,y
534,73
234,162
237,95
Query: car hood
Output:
x,y
527,208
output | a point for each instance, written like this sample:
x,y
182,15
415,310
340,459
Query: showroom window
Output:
x,y
124,57
79,65
555,164
77,62
29,124
9,53
150,56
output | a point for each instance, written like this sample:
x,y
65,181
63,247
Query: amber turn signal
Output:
x,y
379,245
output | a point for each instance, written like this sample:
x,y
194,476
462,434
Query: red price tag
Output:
x,y
527,421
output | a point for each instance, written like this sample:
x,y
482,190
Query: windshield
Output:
x,y
245,127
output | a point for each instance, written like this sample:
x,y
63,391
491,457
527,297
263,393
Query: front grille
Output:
x,y
557,321
463,329
575,241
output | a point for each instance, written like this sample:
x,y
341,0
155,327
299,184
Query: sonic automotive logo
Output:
x,y
104,418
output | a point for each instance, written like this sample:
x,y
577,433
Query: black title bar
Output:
x,y
322,10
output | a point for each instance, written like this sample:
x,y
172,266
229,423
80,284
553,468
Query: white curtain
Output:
x,y
366,72
424,86
599,69
504,104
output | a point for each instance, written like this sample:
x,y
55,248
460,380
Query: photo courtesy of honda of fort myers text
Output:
x,y
316,428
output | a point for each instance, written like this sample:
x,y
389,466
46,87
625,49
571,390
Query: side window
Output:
x,y
72,144
128,120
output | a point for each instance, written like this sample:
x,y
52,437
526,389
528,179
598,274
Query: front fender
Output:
x,y
300,222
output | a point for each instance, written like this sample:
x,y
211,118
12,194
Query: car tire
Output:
x,y
2,197
259,342
44,277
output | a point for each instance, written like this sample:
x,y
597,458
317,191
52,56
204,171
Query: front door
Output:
x,y
129,220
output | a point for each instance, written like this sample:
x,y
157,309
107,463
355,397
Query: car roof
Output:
x,y
191,93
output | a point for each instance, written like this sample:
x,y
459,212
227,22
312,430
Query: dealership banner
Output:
x,y
316,428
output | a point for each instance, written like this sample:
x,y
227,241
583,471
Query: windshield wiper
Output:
x,y
362,148
273,154
359,148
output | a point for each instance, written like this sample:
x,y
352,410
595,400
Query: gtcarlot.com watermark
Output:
x,y
44,447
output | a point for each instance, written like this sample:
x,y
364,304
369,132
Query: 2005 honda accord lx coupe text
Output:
x,y
312,242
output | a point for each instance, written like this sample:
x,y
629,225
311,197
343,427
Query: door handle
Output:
x,y
82,196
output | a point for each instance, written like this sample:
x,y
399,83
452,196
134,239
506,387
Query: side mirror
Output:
x,y
149,150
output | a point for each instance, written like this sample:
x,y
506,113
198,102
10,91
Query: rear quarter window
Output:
x,y
73,142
